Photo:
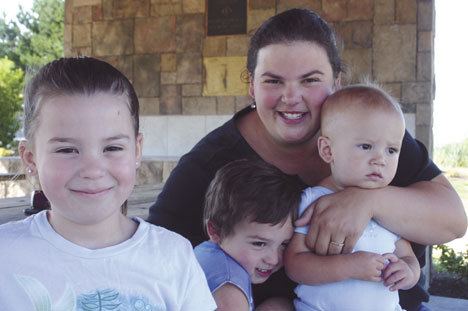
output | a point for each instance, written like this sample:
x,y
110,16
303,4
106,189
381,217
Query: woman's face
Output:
x,y
289,85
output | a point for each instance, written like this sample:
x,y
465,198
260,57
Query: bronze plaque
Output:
x,y
226,17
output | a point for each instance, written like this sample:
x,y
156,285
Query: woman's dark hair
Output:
x,y
75,76
250,190
295,25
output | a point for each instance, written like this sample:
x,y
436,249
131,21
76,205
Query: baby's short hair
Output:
x,y
368,96
251,190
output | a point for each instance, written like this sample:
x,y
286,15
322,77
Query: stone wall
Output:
x,y
162,47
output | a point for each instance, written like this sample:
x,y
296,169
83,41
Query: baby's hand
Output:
x,y
367,266
397,274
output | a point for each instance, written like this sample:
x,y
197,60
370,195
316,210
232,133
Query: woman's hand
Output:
x,y
340,217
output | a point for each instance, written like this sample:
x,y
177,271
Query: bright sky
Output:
x,y
451,67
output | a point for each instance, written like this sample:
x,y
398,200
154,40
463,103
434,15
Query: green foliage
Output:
x,y
452,262
11,84
453,155
36,38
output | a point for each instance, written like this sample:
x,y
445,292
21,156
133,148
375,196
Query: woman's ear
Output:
x,y
213,232
27,157
337,82
251,87
324,148
138,149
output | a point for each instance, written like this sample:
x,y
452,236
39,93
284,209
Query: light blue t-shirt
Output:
x,y
220,268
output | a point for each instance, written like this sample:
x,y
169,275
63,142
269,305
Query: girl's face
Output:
x,y
289,85
85,155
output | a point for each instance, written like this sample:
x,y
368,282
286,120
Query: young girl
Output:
x,y
83,145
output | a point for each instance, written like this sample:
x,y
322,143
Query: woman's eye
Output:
x,y
258,244
67,150
311,80
284,244
113,148
272,81
365,146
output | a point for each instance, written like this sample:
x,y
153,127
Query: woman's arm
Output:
x,y
426,212
229,297
305,267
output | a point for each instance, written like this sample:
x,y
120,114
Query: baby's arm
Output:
x,y
230,297
403,270
304,266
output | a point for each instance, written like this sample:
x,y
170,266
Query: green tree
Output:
x,y
11,83
36,38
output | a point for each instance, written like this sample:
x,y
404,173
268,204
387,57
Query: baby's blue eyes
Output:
x,y
113,148
365,146
68,150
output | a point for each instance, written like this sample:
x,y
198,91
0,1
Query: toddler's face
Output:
x,y
258,248
365,149
85,153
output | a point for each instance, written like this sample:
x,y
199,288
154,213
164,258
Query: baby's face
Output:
x,y
365,149
258,248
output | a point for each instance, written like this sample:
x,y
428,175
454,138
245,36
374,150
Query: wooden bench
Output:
x,y
138,203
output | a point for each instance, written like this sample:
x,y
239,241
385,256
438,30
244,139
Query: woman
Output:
x,y
293,65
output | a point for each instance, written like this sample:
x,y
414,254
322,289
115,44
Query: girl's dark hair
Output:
x,y
294,25
250,190
75,76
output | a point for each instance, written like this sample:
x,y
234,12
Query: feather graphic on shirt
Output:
x,y
40,296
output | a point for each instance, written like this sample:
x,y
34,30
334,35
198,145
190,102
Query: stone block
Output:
x,y
223,76
425,41
198,105
243,101
131,8
193,129
168,62
97,13
107,8
237,45
355,34
225,105
82,15
150,173
77,3
360,10
81,35
394,89
149,106
424,114
416,92
155,135
169,77
68,12
408,107
384,12
113,37
155,35
261,4
146,75
192,89
193,6
214,46
425,66
406,11
335,11
67,35
256,17
189,68
394,53
123,63
425,15
359,64
190,31
170,101
424,135
314,5
81,51
166,9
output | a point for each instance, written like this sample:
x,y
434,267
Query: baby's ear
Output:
x,y
213,232
324,148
